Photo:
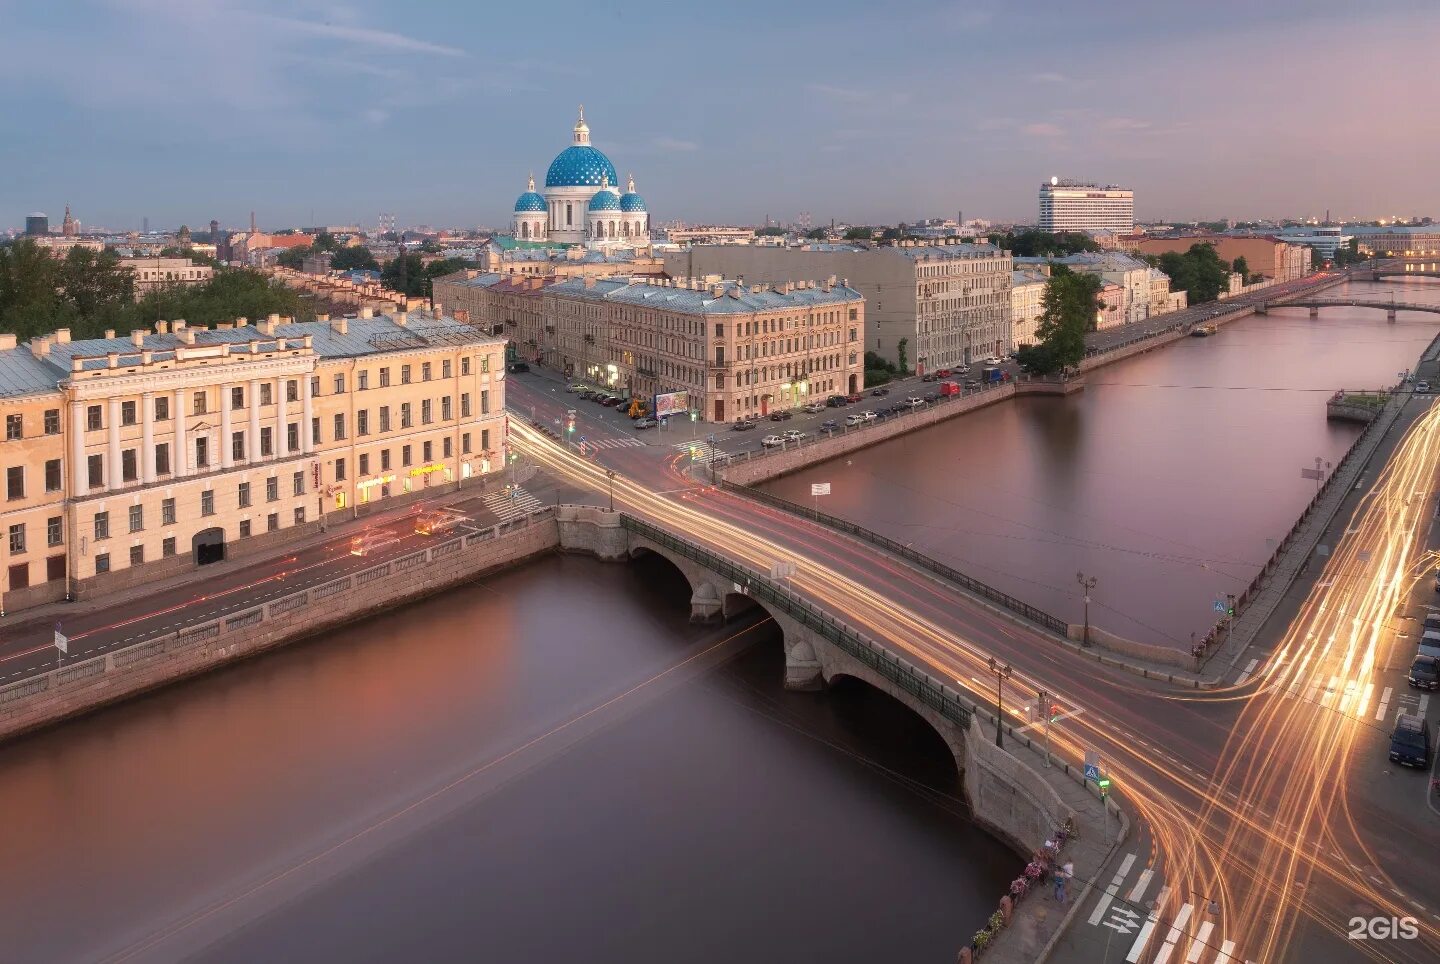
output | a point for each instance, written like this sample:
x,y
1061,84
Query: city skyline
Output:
x,y
326,113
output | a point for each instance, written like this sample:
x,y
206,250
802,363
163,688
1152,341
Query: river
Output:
x,y
1167,479
512,771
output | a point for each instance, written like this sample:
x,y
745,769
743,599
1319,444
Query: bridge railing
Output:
x,y
921,561
887,664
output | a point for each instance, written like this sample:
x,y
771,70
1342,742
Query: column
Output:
x,y
147,437
180,457
226,459
282,444
79,471
252,451
114,478
306,411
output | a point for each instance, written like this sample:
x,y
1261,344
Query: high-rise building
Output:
x,y
37,224
1067,205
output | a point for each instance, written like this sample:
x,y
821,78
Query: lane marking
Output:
x,y
1177,930
1141,885
1103,904
1226,949
1202,939
1384,703
1250,668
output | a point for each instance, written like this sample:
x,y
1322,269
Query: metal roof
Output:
x,y
735,299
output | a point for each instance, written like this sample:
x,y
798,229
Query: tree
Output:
x,y
409,274
429,246
1347,254
1200,272
1069,312
292,258
354,259
230,294
859,234
900,352
1242,267
1034,243
816,234
771,231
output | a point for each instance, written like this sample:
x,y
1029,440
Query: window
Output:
x,y
54,530
465,444
167,512
485,440
202,452
384,460
292,437
425,371
92,418
272,489
162,458
162,408
95,470
167,546
445,368
315,430
237,446
315,386
15,427
445,409
137,518
237,396
127,413
404,455
272,521
363,381
299,515
15,482
129,465
199,403
384,418
242,493
267,393
339,384
365,464
17,539
404,374
267,443
362,422
102,526
485,401
425,416
137,555
484,363
207,502
339,470
339,426
404,414
465,365
298,483
465,405
427,449
292,390
102,563
446,447
52,421
385,377
244,528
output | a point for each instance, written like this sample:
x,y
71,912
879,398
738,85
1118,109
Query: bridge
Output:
x,y
1315,304
1425,266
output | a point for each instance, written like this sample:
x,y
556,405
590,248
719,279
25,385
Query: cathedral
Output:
x,y
581,203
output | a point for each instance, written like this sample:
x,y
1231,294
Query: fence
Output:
x,y
889,666
969,583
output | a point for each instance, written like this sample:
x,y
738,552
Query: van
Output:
x,y
949,388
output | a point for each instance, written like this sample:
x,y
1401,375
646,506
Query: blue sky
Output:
x,y
184,110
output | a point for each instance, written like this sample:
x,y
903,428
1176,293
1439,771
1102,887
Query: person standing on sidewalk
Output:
x,y
1062,879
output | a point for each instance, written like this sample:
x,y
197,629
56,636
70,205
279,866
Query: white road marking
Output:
x,y
1197,947
1138,891
1364,703
1103,904
1330,691
1250,668
1384,703
1226,949
1177,930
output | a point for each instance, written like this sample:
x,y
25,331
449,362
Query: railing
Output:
x,y
914,681
950,574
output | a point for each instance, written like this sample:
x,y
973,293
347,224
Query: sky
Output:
x,y
316,112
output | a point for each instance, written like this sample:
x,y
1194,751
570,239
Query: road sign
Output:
x,y
819,488
582,440
1219,606
1092,772
665,421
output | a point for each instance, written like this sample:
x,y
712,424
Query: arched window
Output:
x,y
612,229
524,229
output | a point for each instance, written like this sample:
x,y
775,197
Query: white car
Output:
x,y
963,370
814,408
795,435
855,418
914,402
772,441
869,416
1422,387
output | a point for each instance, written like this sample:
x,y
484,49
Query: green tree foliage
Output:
x,y
1347,254
1034,243
230,294
1069,306
771,231
901,351
859,234
1201,272
292,258
878,370
354,259
1242,268
817,234
409,274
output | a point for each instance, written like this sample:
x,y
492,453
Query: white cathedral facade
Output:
x,y
581,203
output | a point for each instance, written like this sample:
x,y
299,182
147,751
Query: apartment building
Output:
x,y
153,273
1069,205
133,458
1266,256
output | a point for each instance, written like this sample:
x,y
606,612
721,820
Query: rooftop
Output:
x,y
696,297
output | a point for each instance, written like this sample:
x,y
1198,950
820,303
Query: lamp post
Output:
x,y
610,478
1002,672
712,459
1086,584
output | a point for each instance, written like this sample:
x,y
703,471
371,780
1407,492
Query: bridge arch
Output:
x,y
706,594
866,704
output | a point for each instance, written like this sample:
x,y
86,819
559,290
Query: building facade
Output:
x,y
1265,256
153,273
937,305
1397,240
1027,305
129,459
1067,205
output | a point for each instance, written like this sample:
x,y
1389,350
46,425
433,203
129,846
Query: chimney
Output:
x,y
62,336
242,322
589,281
75,364
187,335
367,313
137,337
162,327
109,332
438,310
341,326
146,356
322,317
7,341
308,341
273,319
400,318
279,344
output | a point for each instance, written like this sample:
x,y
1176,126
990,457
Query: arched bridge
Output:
x,y
1315,304
1404,268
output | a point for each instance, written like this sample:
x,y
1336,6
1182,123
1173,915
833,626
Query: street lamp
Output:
x,y
610,477
712,459
1086,584
1002,672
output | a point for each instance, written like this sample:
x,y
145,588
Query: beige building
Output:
x,y
733,350
153,273
1265,256
508,305
130,459
940,304
1027,305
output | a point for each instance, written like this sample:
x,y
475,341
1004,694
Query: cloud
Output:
x,y
1042,130
1125,124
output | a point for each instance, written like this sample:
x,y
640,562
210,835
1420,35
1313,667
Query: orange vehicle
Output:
x,y
437,522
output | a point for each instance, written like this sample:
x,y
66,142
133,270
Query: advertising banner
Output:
x,y
671,403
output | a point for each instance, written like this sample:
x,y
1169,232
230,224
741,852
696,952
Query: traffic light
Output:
x,y
1055,713
1104,784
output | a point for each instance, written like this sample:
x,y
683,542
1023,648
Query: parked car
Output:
x,y
869,416
814,407
742,425
1422,388
854,419
879,392
781,415
829,425
574,387
837,401
1432,621
932,396
517,366
1437,581
771,441
610,401
795,435
930,377
1410,741
963,370
914,401
1425,672
645,421
853,397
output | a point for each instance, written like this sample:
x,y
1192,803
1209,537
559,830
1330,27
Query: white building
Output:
x,y
1067,205
1027,304
580,203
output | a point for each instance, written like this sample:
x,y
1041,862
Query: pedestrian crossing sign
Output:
x,y
1092,772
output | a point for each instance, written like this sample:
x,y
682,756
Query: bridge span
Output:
x,y
1315,304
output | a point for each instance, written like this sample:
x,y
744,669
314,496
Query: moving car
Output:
x,y
949,388
914,401
781,415
829,425
771,441
1422,387
814,407
1425,672
795,435
879,392
853,397
437,522
742,425
854,419
646,421
1410,741
836,401
944,373
517,366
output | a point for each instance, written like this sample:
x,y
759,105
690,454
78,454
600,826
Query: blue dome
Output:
x,y
530,201
605,200
632,203
580,165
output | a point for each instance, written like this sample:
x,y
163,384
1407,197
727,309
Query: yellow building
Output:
x,y
131,459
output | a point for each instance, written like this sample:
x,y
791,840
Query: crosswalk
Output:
x,y
1286,678
1158,930
512,504
703,452
624,442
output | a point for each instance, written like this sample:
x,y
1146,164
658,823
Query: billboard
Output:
x,y
671,403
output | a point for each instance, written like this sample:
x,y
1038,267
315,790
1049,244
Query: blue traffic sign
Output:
x,y
582,438
1219,606
1092,772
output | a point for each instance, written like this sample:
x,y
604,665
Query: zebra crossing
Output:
x,y
1286,678
701,452
623,442
1158,932
510,505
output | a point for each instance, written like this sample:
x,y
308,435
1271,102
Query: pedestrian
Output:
x,y
1062,879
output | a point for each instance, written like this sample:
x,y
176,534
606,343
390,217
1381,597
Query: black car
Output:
x,y
517,366
742,425
836,401
932,396
781,416
1425,672
879,392
929,377
1410,741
